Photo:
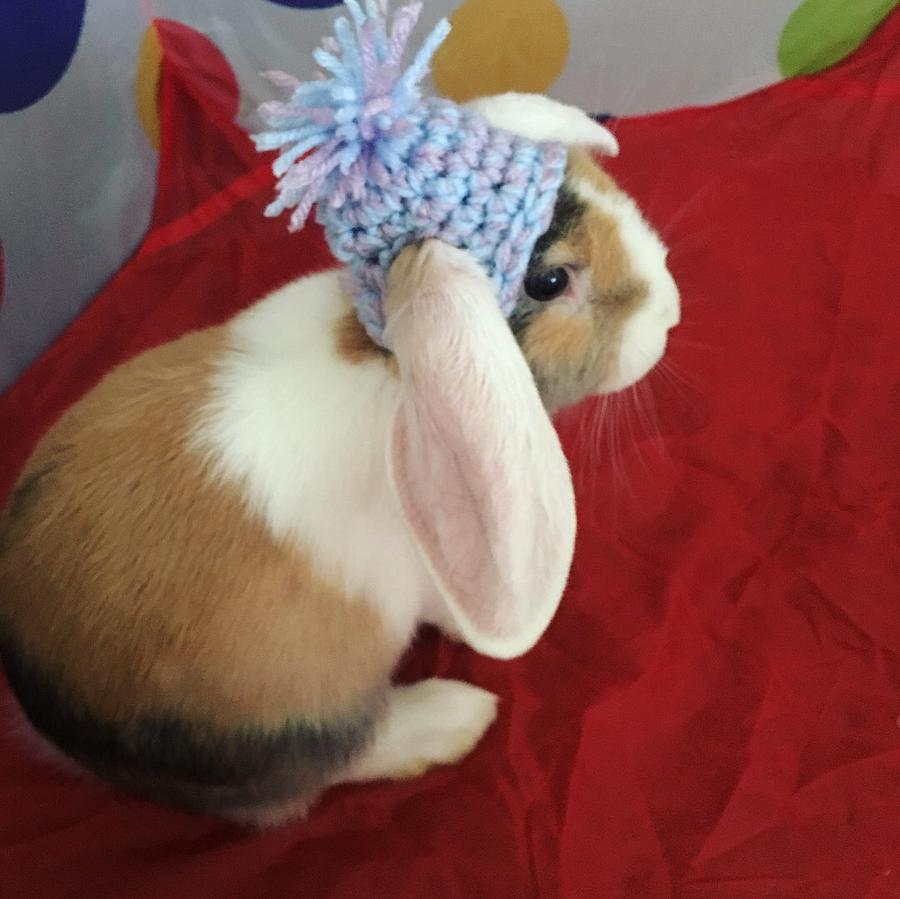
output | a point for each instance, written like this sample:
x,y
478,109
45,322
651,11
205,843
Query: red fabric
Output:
x,y
714,712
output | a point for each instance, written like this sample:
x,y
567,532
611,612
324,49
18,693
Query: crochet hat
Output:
x,y
389,167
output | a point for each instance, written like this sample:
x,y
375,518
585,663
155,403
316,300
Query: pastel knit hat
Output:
x,y
388,167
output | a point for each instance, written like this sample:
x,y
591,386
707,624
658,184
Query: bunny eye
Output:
x,y
547,285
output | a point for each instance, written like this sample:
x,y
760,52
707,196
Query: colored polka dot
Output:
x,y
820,33
502,45
37,43
146,85
307,4
194,53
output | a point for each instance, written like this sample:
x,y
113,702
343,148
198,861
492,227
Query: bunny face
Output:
x,y
598,301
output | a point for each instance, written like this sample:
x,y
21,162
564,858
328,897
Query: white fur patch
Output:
x,y
305,434
645,334
541,119
432,722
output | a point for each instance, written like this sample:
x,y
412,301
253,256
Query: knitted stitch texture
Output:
x,y
389,167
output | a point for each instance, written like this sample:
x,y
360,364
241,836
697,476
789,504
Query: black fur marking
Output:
x,y
26,493
567,213
170,760
524,312
24,498
28,490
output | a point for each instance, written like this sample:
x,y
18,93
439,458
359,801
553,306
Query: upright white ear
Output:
x,y
541,119
474,459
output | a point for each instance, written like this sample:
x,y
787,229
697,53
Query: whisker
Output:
x,y
684,390
678,340
677,372
599,436
666,230
620,472
632,416
598,431
646,406
594,431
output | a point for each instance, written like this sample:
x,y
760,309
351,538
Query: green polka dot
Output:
x,y
820,33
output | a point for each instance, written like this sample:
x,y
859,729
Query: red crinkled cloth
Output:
x,y
714,712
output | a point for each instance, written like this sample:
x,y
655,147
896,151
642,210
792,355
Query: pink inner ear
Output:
x,y
475,460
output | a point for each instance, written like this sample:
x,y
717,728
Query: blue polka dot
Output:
x,y
37,42
307,4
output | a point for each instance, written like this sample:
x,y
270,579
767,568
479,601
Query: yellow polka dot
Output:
x,y
147,85
502,45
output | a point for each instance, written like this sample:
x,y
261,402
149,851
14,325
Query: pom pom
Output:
x,y
335,131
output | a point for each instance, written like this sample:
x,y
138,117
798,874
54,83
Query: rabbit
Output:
x,y
212,563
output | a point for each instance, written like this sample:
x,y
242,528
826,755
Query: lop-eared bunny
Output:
x,y
213,562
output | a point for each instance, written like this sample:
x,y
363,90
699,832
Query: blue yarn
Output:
x,y
388,167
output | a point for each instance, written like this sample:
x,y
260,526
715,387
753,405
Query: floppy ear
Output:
x,y
475,461
541,119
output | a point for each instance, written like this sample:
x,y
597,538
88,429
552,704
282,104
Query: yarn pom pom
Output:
x,y
386,166
334,129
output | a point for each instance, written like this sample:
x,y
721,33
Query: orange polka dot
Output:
x,y
147,85
502,45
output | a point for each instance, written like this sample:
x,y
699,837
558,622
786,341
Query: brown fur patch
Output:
x,y
573,351
594,244
583,164
353,344
143,586
560,335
